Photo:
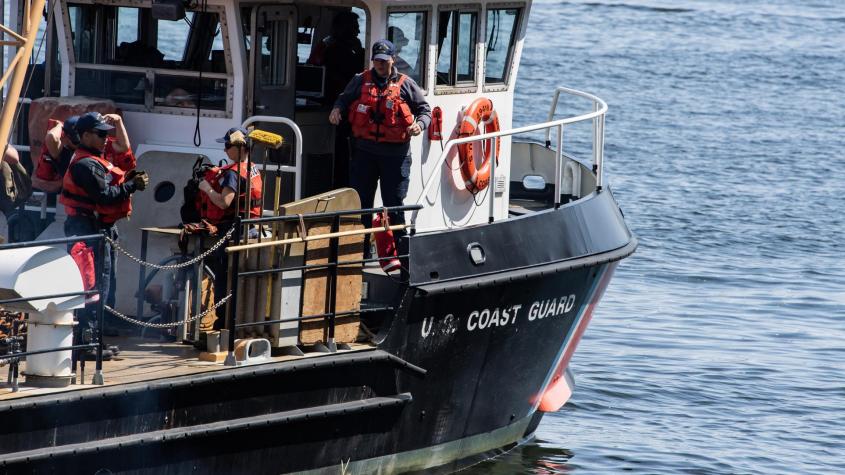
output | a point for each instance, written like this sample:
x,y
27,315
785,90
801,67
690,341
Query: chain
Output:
x,y
166,325
181,264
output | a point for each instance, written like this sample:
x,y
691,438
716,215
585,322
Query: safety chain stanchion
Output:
x,y
167,325
181,264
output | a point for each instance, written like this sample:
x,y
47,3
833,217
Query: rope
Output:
x,y
174,266
166,325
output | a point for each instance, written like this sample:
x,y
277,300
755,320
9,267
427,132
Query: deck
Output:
x,y
142,360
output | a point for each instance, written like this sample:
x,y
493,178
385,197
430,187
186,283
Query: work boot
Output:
x,y
91,354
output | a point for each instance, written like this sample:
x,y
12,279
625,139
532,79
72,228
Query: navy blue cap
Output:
x,y
238,138
69,129
92,121
384,50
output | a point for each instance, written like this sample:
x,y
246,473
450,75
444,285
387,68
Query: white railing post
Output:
x,y
600,162
552,116
558,164
491,187
595,137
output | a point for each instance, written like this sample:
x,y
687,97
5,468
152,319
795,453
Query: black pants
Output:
x,y
366,171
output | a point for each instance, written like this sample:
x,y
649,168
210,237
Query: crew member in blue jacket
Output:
x,y
385,108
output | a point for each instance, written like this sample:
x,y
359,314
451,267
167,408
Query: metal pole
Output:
x,y
492,183
98,368
14,91
334,244
232,304
558,164
142,276
552,116
600,168
596,144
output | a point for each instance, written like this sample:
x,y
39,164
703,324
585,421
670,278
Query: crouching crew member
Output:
x,y
219,206
96,194
60,144
385,109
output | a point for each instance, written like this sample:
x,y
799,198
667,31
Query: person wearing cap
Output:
x,y
398,38
96,195
219,207
385,109
58,148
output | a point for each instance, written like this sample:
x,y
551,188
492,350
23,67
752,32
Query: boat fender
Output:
x,y
83,255
385,245
479,113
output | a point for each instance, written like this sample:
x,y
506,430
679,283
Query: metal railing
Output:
x,y
597,116
332,265
296,169
15,357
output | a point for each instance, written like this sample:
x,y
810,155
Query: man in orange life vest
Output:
x,y
219,205
385,109
96,194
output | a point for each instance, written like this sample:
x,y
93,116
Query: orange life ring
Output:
x,y
479,112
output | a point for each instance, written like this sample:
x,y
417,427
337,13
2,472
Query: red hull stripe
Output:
x,y
555,391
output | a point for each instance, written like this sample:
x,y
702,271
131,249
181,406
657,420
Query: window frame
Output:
x,y
150,73
458,87
425,48
509,62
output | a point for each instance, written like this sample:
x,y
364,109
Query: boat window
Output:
x,y
120,86
124,54
456,43
501,36
127,21
274,53
408,32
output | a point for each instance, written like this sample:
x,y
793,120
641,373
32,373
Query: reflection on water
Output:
x,y
534,457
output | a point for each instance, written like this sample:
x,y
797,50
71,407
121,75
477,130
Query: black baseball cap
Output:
x,y
69,129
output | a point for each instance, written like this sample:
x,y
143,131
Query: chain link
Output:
x,y
175,266
166,325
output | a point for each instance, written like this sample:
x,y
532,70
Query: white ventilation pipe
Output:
x,y
34,272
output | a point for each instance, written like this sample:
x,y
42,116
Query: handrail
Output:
x,y
297,168
599,110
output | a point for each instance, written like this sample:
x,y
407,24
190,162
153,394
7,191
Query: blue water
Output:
x,y
720,345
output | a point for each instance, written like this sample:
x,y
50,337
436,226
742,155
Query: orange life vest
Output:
x,y
76,199
380,115
216,215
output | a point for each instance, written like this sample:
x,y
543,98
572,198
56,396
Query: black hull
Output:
x,y
458,374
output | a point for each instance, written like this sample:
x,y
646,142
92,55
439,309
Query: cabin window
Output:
x,y
456,45
274,53
407,30
126,55
501,37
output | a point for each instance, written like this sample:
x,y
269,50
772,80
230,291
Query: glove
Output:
x,y
141,180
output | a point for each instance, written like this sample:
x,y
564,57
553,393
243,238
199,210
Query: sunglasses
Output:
x,y
100,133
230,145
